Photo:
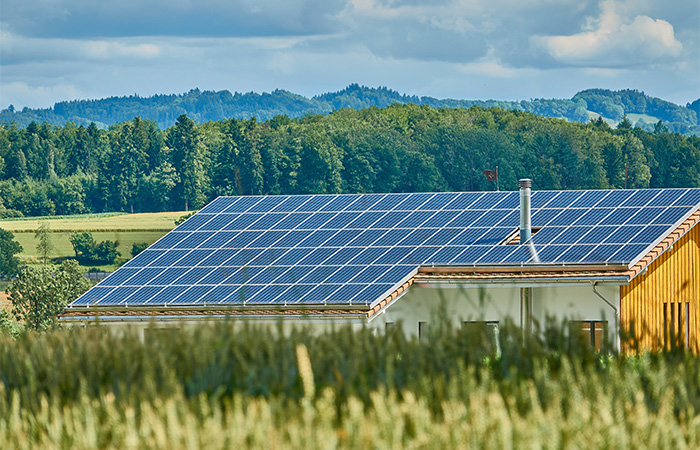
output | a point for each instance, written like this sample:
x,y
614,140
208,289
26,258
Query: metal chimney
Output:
x,y
525,224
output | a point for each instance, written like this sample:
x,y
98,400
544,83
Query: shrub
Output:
x,y
138,247
87,251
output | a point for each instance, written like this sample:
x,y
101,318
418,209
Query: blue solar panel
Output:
x,y
417,237
352,249
690,198
641,198
220,293
393,254
390,219
439,201
340,203
367,237
93,296
219,205
243,204
194,222
597,234
589,199
243,239
464,200
368,255
119,295
269,221
364,202
671,215
193,295
269,294
443,237
244,257
566,217
413,202
341,256
344,274
266,204
166,276
143,295
316,203
543,217
446,254
243,221
346,294
119,277
366,219
541,198
392,237
564,199
466,219
387,203
145,258
315,221
614,199
217,257
218,222
218,275
293,256
318,274
592,216
169,240
291,221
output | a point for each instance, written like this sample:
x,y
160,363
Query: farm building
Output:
x,y
606,260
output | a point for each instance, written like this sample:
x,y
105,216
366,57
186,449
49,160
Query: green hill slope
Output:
x,y
204,106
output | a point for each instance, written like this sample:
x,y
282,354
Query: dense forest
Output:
x,y
134,166
204,106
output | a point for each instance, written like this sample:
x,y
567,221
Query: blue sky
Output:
x,y
53,50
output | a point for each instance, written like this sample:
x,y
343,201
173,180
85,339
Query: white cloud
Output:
x,y
613,40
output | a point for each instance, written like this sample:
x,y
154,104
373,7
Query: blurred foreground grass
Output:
x,y
233,386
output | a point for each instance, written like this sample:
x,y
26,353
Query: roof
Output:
x,y
357,250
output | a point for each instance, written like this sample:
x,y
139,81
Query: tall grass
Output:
x,y
222,386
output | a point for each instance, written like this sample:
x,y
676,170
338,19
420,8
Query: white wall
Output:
x,y
317,324
462,302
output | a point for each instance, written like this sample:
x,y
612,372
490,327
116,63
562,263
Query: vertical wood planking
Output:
x,y
674,277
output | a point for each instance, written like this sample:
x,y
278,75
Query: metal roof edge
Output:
x,y
201,310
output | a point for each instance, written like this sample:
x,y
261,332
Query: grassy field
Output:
x,y
229,386
125,228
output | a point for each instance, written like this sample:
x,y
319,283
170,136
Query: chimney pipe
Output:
x,y
525,225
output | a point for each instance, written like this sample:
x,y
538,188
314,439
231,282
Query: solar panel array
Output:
x,y
355,249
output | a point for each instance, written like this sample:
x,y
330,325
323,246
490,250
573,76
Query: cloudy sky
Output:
x,y
53,50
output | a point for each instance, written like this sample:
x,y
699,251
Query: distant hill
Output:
x,y
202,106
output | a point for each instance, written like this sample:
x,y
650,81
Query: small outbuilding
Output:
x,y
612,262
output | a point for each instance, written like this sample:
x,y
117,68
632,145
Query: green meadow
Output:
x,y
127,229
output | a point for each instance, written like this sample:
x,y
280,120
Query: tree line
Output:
x,y
135,166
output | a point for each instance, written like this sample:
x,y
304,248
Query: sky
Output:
x,y
55,50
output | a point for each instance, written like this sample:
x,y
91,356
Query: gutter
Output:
x,y
617,315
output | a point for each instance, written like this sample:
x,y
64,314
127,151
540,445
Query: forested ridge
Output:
x,y
134,166
202,106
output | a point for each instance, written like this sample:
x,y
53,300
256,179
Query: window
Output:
x,y
676,325
388,327
485,331
422,330
594,332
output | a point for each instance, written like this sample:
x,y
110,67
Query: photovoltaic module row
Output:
x,y
336,249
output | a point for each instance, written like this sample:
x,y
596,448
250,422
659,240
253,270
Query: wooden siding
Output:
x,y
650,305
